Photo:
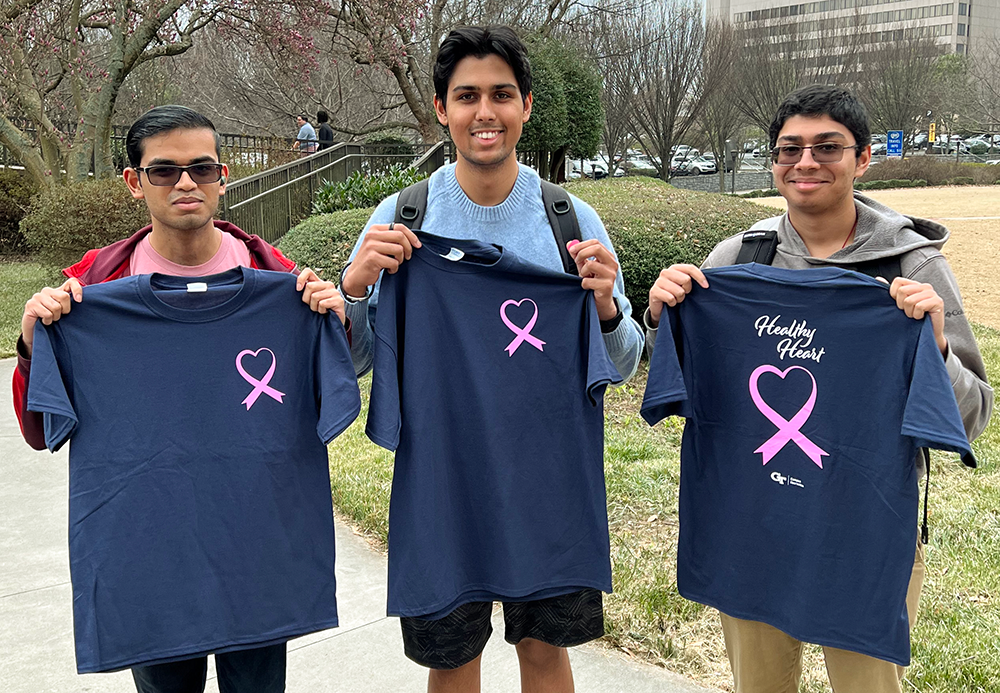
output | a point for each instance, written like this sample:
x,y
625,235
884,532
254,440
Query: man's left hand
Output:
x,y
916,300
322,296
598,269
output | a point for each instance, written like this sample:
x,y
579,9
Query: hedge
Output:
x,y
69,220
932,170
16,191
885,184
324,241
652,225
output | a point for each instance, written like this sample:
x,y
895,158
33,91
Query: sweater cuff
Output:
x,y
23,360
617,341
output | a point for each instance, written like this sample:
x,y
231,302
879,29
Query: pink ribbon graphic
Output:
x,y
259,386
523,333
787,430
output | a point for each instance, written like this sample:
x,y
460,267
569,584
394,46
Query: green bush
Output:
x,y
324,241
69,220
886,184
979,148
360,190
16,191
934,171
654,225
962,180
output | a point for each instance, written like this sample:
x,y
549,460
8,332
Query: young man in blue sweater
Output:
x,y
482,83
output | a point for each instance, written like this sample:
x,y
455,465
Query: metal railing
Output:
x,y
270,203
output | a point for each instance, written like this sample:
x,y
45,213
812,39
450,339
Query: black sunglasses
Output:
x,y
169,175
825,153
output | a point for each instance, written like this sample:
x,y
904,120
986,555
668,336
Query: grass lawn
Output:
x,y
18,281
955,644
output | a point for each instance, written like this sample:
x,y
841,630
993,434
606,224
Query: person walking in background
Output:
x,y
325,131
305,141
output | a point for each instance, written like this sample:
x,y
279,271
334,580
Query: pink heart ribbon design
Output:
x,y
787,430
259,386
523,333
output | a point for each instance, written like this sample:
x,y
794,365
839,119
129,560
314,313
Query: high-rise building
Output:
x,y
811,26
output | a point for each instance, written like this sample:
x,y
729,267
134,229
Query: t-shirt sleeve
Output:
x,y
931,417
384,415
339,399
665,393
47,390
601,370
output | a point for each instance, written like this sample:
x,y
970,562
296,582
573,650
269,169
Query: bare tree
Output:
x,y
668,75
985,69
616,48
896,82
64,62
722,118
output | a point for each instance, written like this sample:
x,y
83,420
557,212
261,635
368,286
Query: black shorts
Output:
x,y
460,636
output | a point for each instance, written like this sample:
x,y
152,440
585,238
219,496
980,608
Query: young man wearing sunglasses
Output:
x,y
820,141
175,169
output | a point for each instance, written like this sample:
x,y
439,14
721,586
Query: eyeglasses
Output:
x,y
169,175
825,153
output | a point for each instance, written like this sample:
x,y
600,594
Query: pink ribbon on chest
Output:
x,y
523,333
259,386
787,430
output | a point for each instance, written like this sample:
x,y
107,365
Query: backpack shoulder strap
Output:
x,y
887,267
760,243
562,219
411,205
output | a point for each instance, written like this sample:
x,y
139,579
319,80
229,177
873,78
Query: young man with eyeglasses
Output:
x,y
175,169
820,139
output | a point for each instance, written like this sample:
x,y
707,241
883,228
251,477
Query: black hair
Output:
x,y
480,42
322,116
304,116
164,119
825,100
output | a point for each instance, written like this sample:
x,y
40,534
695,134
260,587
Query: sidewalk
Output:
x,y
364,654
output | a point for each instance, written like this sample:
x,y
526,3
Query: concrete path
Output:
x,y
364,654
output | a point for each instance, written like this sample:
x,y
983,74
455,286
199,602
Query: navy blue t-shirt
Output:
x,y
200,515
488,382
807,394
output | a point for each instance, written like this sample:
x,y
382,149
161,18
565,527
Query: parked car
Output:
x,y
695,167
879,148
595,170
640,165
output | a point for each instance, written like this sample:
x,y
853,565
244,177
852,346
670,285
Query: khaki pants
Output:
x,y
766,660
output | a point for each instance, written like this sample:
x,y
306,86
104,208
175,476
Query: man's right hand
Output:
x,y
384,247
48,305
673,284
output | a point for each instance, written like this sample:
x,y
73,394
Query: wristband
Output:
x,y
353,299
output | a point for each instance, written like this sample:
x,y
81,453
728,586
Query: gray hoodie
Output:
x,y
883,233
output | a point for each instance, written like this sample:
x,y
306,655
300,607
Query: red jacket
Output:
x,y
112,262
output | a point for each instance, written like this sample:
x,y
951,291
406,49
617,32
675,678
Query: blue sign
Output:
x,y
894,143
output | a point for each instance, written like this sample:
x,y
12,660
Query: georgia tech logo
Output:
x,y
780,478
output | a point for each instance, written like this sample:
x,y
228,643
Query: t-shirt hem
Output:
x,y
334,430
482,593
179,654
658,401
822,642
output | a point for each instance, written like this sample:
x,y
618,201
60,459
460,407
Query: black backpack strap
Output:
x,y
411,205
562,219
887,267
758,246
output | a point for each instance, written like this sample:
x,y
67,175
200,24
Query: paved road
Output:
x,y
364,654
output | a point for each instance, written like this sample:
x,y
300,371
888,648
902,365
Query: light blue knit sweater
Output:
x,y
518,224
